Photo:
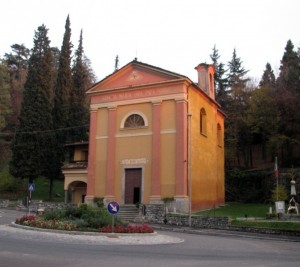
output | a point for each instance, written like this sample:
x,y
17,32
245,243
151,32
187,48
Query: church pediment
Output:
x,y
135,73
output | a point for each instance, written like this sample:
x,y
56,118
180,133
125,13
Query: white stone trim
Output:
x,y
102,137
168,131
133,134
177,97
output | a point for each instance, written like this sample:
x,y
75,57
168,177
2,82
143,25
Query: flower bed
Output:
x,y
59,224
40,222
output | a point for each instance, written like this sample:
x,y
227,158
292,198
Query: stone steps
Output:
x,y
128,213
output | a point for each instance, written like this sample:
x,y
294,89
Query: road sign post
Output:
x,y
31,188
113,208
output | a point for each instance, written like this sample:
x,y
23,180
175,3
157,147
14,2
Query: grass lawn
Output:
x,y
238,210
283,225
42,186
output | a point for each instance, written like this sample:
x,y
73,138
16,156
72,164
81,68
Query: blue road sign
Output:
x,y
113,207
31,187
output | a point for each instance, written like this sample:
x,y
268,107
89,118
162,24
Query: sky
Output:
x,y
175,35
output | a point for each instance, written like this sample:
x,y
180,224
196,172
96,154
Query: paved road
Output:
x,y
19,247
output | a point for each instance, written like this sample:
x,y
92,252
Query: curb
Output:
x,y
13,224
230,233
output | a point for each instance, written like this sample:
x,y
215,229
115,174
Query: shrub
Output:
x,y
54,214
282,194
82,217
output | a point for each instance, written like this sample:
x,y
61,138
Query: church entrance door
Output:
x,y
133,185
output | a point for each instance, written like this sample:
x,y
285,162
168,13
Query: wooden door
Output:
x,y
133,185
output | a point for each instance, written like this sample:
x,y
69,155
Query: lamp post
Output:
x,y
190,167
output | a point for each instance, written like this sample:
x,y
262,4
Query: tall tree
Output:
x,y
288,101
33,140
264,131
237,136
5,107
17,63
268,80
220,79
236,72
5,110
79,112
63,86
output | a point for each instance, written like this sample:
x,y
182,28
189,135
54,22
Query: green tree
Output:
x,y
5,111
268,80
219,77
5,107
19,56
17,63
237,135
63,87
236,72
32,144
262,120
79,112
288,102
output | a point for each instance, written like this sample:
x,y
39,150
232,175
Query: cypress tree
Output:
x,y
79,113
63,86
31,146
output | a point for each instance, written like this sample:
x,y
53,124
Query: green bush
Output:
x,y
54,215
81,224
9,183
84,216
248,186
282,193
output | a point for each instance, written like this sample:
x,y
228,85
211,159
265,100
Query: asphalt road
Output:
x,y
24,248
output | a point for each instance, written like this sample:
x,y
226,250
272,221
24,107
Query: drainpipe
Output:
x,y
190,168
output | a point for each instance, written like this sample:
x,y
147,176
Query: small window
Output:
x,y
203,127
134,121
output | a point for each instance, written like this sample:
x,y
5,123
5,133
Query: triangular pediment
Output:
x,y
133,74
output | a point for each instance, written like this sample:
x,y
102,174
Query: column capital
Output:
x,y
156,102
181,100
112,107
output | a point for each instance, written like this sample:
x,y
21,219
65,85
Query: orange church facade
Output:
x,y
154,134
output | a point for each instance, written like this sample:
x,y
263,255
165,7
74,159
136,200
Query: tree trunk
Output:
x,y
51,187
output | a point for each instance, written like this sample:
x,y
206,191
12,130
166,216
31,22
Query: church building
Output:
x,y
155,135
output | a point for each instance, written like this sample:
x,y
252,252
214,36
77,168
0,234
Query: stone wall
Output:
x,y
34,206
158,214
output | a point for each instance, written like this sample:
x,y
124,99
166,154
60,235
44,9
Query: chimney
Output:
x,y
206,78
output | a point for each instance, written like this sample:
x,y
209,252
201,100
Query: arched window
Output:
x,y
219,135
134,121
203,127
